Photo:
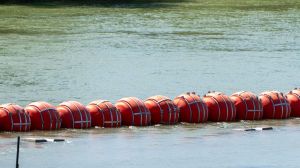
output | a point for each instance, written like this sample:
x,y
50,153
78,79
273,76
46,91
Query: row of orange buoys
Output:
x,y
131,111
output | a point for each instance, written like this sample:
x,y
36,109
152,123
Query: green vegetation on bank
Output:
x,y
206,3
81,2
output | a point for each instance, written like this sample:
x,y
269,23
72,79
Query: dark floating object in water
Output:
x,y
57,140
267,128
259,129
42,140
255,129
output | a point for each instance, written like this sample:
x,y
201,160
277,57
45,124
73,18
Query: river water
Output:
x,y
63,52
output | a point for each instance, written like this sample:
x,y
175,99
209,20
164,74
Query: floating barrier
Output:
x,y
293,98
162,109
42,140
275,105
74,115
220,107
14,118
191,108
104,114
133,112
248,106
43,116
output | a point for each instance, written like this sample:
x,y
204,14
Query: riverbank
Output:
x,y
57,3
250,4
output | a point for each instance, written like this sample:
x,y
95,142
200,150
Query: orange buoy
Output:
x,y
74,115
13,118
43,115
275,105
220,107
191,108
133,112
248,106
293,98
162,109
104,114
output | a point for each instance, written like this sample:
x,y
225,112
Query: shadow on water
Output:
x,y
94,3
